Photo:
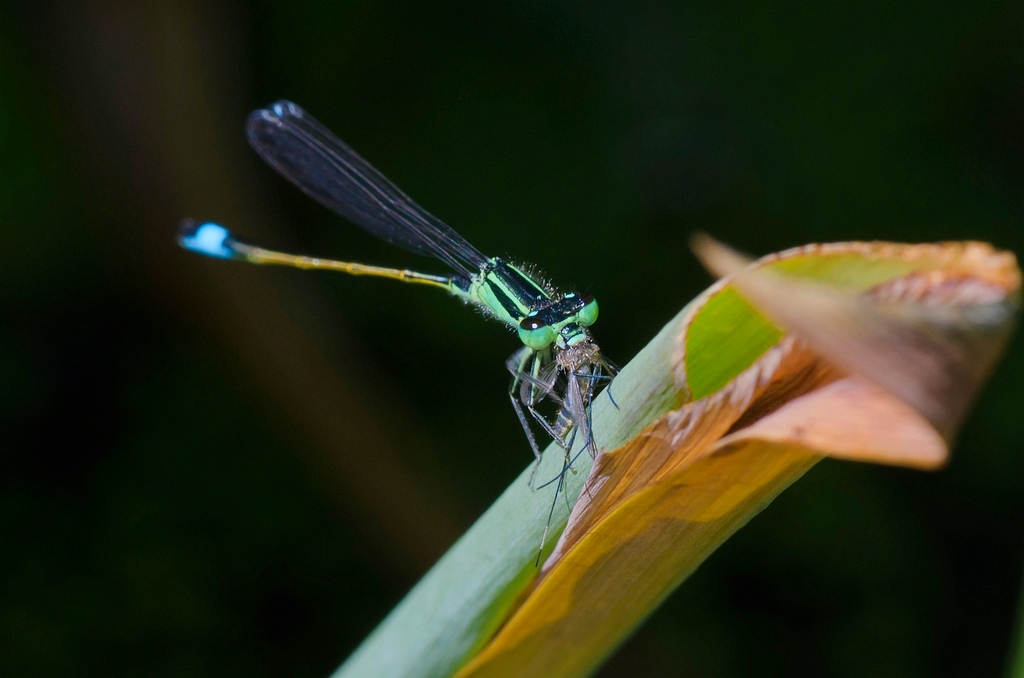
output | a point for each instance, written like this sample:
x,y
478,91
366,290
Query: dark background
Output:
x,y
213,469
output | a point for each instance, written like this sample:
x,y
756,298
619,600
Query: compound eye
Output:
x,y
536,333
587,315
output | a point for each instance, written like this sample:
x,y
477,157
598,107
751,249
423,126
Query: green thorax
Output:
x,y
541,317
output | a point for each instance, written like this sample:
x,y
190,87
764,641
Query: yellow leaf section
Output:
x,y
631,560
578,614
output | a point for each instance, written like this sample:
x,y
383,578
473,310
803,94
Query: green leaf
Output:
x,y
720,412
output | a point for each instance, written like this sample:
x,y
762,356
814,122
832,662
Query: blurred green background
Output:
x,y
210,469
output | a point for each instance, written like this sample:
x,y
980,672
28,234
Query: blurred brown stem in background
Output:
x,y
177,151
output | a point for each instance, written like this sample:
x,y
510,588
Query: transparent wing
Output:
x,y
326,169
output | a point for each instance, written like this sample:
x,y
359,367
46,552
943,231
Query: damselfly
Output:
x,y
558,361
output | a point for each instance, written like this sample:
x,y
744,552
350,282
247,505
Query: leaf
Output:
x,y
930,338
715,416
887,346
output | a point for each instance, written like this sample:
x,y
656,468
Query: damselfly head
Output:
x,y
563,322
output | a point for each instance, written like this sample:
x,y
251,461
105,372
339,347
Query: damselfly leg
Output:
x,y
536,379
533,382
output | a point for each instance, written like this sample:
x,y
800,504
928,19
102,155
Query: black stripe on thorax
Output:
x,y
528,293
506,303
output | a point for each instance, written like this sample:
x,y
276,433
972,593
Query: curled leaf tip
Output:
x,y
930,337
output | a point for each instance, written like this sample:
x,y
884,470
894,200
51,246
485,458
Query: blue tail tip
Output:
x,y
209,238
